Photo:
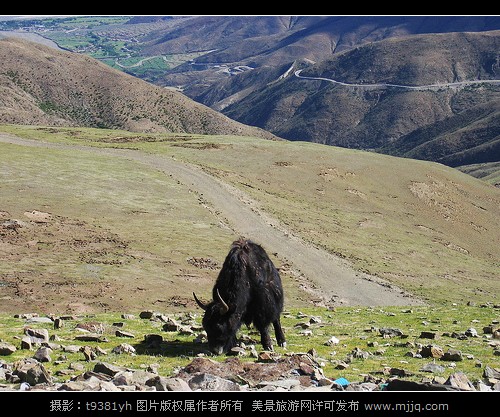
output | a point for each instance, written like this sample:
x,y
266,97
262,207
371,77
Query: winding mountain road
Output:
x,y
330,278
429,87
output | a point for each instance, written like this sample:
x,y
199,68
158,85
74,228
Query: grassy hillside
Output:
x,y
41,85
355,328
144,240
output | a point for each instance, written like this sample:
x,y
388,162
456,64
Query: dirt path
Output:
x,y
330,278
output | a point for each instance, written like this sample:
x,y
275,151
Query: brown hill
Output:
x,y
366,112
42,86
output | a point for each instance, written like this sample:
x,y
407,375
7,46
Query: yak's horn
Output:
x,y
225,307
202,306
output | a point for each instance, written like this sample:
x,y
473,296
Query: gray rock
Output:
x,y
42,335
387,332
6,349
332,341
168,384
43,354
471,332
282,383
491,373
39,320
135,378
428,335
360,354
124,348
452,355
121,333
431,351
77,386
432,367
108,368
153,341
88,353
148,314
32,372
363,386
459,380
91,337
71,348
170,325
208,382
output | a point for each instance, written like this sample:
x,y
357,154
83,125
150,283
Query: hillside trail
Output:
x,y
327,277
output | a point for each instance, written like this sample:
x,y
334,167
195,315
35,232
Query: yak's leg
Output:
x,y
265,339
278,331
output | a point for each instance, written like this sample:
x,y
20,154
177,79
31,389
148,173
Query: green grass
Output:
x,y
427,228
354,327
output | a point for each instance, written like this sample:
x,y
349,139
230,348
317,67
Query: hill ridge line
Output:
x,y
328,277
431,87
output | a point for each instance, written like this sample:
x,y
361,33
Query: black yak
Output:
x,y
247,290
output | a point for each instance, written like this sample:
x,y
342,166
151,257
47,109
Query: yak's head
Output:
x,y
221,326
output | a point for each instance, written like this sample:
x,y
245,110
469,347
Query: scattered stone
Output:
x,y
71,348
432,367
186,330
428,335
452,355
128,317
208,382
119,324
26,343
332,341
91,338
171,325
88,353
459,336
459,380
75,366
58,323
360,354
6,349
168,384
91,327
488,329
153,341
237,351
31,371
362,387
108,368
287,384
387,332
265,357
341,365
38,335
43,354
124,348
38,319
148,314
471,332
431,351
402,385
121,333
491,373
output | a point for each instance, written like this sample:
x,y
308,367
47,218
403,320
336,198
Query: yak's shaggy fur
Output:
x,y
248,290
